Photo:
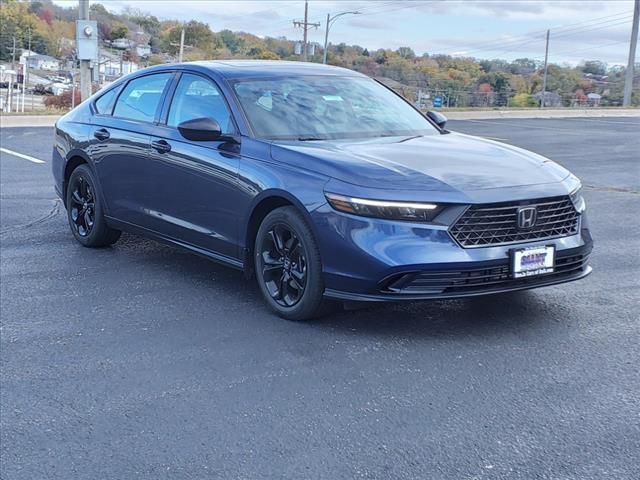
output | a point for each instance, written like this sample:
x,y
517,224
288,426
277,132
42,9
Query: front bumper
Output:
x,y
369,259
466,283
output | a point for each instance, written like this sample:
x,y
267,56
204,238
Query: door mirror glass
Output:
x,y
200,129
438,118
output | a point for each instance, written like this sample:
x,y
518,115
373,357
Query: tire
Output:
x,y
85,210
287,264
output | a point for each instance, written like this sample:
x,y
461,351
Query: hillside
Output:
x,y
461,81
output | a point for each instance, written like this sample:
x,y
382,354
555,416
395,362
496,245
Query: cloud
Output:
x,y
482,28
367,22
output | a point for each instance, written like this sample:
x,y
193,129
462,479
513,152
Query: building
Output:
x,y
551,99
122,43
37,61
594,99
112,65
143,51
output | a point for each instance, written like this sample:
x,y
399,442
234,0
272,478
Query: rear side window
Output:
x,y
141,97
105,102
197,97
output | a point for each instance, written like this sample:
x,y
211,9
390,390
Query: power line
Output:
x,y
589,48
523,39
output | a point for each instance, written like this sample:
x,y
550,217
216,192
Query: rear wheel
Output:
x,y
288,267
84,210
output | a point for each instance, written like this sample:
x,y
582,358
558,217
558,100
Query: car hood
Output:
x,y
440,162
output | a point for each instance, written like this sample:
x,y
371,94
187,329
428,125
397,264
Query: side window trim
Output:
x,y
168,98
160,104
116,90
171,95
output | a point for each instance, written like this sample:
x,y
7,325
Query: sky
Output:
x,y
508,29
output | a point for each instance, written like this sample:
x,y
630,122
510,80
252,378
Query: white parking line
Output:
x,y
21,155
495,138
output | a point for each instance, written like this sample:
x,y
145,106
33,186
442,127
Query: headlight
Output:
x,y
389,210
577,199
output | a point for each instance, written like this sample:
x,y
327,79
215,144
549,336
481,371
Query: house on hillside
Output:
x,y
551,99
594,99
37,61
112,65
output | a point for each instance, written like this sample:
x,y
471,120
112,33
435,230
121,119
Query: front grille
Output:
x,y
496,223
477,280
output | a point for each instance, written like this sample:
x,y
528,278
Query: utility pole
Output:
x,y
305,27
544,79
181,45
326,40
304,41
13,54
330,21
13,69
28,55
628,81
25,73
85,65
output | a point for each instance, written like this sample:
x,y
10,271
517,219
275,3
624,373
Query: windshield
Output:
x,y
324,107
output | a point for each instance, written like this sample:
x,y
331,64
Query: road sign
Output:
x,y
437,101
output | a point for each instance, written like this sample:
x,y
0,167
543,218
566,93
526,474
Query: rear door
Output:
x,y
195,184
120,146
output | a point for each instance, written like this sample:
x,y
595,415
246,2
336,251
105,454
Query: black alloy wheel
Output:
x,y
82,206
85,212
288,266
284,265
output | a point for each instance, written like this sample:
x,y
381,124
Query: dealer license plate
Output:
x,y
527,262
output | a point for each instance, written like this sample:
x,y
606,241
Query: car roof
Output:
x,y
232,69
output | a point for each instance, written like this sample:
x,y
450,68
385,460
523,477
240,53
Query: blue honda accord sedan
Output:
x,y
319,181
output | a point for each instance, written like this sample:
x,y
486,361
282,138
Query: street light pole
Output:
x,y
330,21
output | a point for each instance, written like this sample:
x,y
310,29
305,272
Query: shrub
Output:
x,y
523,100
62,101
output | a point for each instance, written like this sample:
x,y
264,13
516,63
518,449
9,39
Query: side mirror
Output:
x,y
200,129
438,118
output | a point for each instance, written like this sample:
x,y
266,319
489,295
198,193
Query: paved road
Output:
x,y
142,361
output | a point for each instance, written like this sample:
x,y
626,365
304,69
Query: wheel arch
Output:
x,y
74,159
261,206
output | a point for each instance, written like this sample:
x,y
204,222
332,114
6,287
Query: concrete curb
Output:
x,y
8,121
546,113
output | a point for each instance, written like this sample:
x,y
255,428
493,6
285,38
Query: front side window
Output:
x,y
197,97
327,107
141,97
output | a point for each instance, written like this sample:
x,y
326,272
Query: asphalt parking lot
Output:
x,y
145,362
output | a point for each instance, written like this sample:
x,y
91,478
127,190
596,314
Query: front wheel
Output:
x,y
288,267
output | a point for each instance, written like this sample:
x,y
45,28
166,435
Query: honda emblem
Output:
x,y
527,217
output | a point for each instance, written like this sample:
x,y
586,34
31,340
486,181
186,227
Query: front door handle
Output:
x,y
161,146
102,134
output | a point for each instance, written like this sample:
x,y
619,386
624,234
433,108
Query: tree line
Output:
x,y
464,81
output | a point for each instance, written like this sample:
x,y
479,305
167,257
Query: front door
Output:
x,y
194,185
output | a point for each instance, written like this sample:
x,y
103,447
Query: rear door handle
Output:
x,y
101,134
161,146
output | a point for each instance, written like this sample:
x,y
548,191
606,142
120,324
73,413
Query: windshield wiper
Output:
x,y
310,139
